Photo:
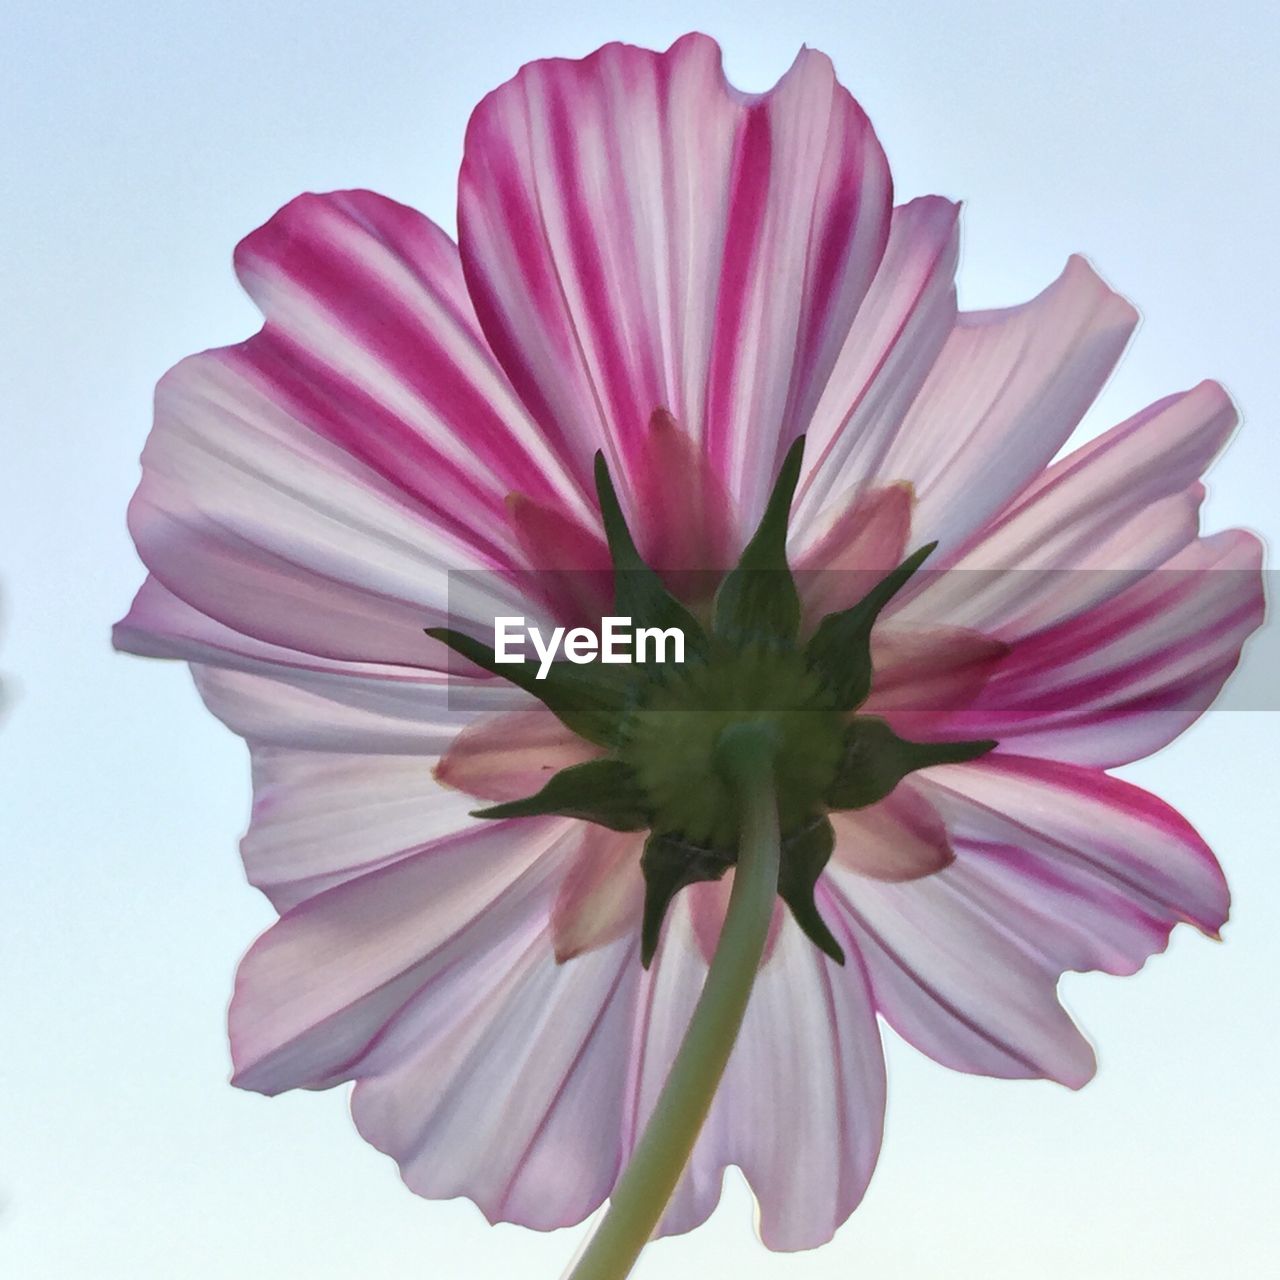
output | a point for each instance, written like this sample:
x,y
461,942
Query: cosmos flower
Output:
x,y
686,279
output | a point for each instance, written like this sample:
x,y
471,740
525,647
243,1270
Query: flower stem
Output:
x,y
660,1156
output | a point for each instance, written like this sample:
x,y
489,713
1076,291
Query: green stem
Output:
x,y
660,1156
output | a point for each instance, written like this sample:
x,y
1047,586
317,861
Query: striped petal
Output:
x,y
1057,868
304,488
1125,678
1097,830
1089,525
318,991
1008,387
810,1045
639,235
321,818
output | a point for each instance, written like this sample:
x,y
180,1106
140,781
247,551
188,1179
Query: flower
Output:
x,y
687,278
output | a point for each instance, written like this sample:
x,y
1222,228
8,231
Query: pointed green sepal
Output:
x,y
589,698
875,760
804,856
670,865
840,649
602,791
638,591
758,600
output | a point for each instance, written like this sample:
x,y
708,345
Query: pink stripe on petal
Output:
x,y
365,303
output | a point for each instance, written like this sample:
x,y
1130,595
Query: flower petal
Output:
x,y
900,329
865,543
1125,841
602,896
1008,388
321,818
900,838
953,972
1088,526
638,235
317,990
332,711
811,1046
511,756
313,487
505,1084
1124,679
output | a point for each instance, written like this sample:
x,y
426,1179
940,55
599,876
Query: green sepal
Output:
x,y
804,856
638,591
758,600
589,698
602,791
670,865
875,760
840,649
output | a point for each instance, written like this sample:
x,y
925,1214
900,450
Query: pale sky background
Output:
x,y
140,142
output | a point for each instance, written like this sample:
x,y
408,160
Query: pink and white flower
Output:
x,y
656,265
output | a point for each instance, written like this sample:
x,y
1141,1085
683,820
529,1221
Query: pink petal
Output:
x,y
708,901
505,1084
638,235
511,756
573,573
307,488
1057,868
372,342
865,542
674,475
900,838
1124,679
1100,829
897,335
316,991
919,678
810,1046
332,711
1007,390
1088,526
321,818
602,896
954,971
